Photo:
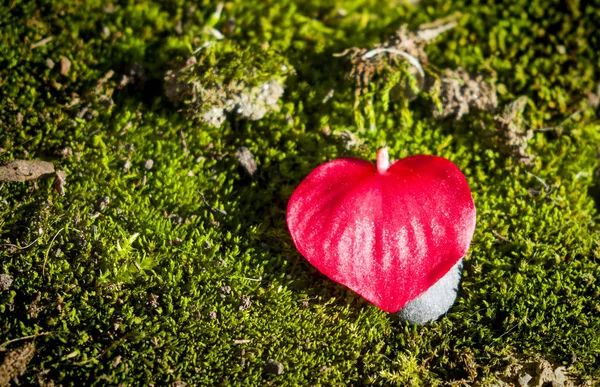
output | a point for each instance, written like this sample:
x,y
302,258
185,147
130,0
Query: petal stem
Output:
x,y
383,160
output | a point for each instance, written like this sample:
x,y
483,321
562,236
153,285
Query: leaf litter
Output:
x,y
367,64
460,92
15,363
24,170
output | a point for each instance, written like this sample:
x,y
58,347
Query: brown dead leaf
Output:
x,y
59,182
15,363
24,170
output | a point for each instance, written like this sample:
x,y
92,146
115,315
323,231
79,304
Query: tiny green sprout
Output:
x,y
127,245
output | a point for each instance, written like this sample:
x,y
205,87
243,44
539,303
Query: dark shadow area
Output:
x,y
594,190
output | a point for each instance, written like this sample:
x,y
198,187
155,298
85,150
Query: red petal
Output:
x,y
387,236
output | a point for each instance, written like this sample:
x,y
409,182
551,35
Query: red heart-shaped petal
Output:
x,y
386,233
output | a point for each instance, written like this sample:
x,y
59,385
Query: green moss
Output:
x,y
149,286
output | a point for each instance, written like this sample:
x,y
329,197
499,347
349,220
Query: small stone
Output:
x,y
214,117
179,383
105,32
246,303
153,300
246,160
341,13
103,203
436,301
225,290
116,361
191,61
524,380
127,165
5,281
274,367
65,65
65,153
149,164
50,63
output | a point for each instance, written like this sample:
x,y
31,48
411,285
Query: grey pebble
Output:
x,y
274,367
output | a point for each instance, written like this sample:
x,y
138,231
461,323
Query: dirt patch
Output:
x,y
536,373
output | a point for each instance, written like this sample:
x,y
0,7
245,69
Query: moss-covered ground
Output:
x,y
184,273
